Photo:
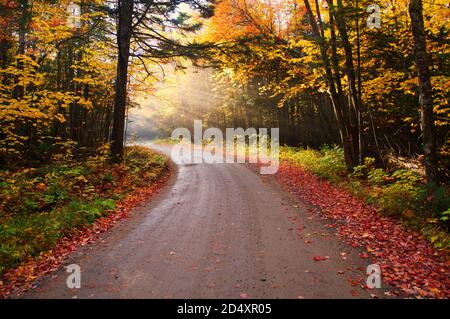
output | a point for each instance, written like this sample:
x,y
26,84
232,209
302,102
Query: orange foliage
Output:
x,y
230,22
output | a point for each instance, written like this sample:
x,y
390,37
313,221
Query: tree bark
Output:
x,y
425,94
338,108
24,21
125,20
352,92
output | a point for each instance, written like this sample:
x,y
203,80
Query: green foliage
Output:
x,y
362,170
28,235
328,162
40,205
395,193
88,212
377,176
445,216
440,201
138,159
436,236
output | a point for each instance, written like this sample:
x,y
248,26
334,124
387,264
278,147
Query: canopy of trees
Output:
x,y
337,74
66,78
323,71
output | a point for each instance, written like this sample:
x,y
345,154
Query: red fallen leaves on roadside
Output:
x,y
18,280
363,255
320,258
407,261
354,293
357,281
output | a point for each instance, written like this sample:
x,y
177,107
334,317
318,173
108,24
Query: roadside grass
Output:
x,y
165,141
328,162
399,193
38,206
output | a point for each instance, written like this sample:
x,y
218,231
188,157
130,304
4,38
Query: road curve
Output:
x,y
216,231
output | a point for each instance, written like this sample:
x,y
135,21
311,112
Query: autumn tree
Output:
x,y
145,23
425,90
124,29
292,52
55,82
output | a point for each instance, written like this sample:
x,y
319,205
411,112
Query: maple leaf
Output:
x,y
320,258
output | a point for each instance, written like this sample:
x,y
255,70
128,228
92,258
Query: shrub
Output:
x,y
328,162
395,193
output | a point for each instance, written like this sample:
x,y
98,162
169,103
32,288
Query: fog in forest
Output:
x,y
181,97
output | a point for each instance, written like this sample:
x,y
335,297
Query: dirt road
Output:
x,y
216,231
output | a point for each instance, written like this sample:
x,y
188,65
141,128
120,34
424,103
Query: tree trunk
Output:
x,y
352,92
24,21
362,106
338,108
425,95
125,20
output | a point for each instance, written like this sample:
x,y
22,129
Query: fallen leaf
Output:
x,y
320,258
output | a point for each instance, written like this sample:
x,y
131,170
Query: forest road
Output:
x,y
216,231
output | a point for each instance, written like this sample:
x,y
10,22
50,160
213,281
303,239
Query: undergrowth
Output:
x,y
399,193
38,206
